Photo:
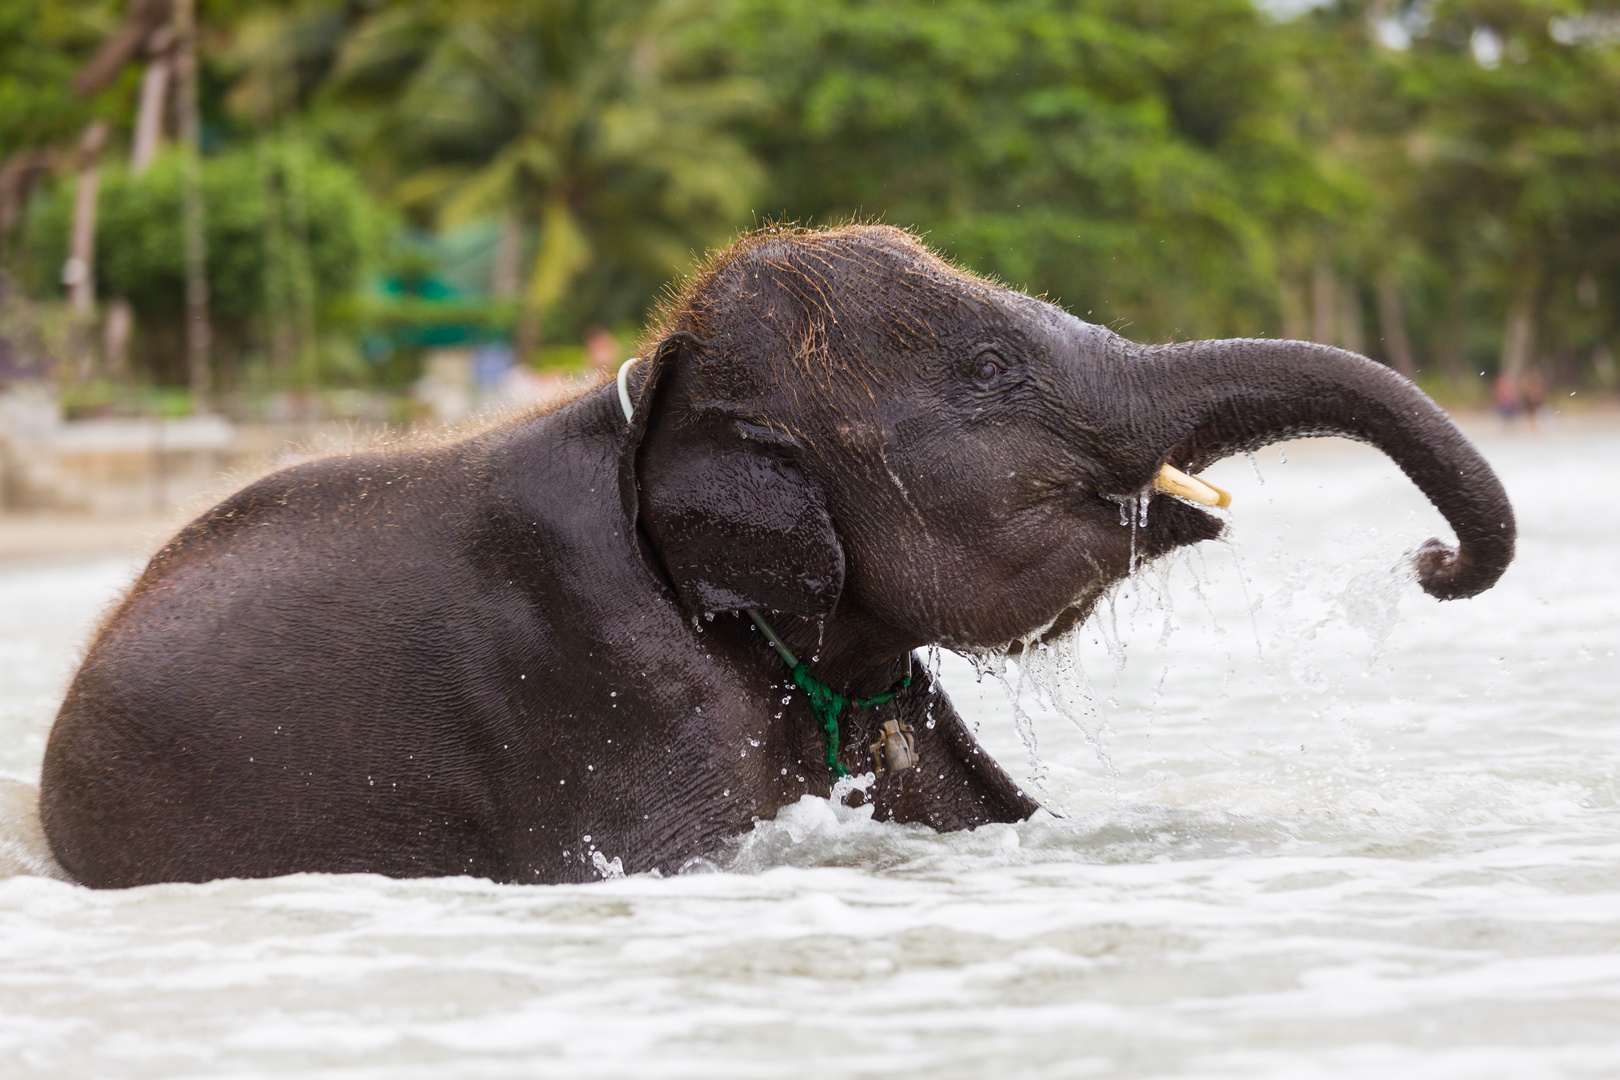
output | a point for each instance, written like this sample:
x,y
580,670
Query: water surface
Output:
x,y
1314,824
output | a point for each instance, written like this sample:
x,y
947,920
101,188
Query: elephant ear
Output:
x,y
725,503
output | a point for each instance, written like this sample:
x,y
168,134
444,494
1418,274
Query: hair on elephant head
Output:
x,y
515,655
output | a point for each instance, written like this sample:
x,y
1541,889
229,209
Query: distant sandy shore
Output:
x,y
50,537
1577,416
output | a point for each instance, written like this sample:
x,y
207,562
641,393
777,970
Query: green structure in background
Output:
x,y
436,291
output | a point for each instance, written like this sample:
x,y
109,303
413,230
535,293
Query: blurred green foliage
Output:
x,y
140,253
574,120
1130,159
42,45
1419,179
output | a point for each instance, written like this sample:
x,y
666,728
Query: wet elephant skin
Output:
x,y
523,654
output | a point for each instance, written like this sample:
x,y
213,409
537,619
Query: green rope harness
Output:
x,y
826,704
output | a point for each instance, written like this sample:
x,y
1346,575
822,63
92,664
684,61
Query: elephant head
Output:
x,y
839,425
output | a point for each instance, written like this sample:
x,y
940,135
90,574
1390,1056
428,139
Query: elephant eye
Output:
x,y
989,367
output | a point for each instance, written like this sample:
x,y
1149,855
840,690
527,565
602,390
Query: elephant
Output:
x,y
612,634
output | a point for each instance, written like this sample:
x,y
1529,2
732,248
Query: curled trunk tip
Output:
x,y
1208,400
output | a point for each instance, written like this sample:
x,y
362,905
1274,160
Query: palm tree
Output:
x,y
584,120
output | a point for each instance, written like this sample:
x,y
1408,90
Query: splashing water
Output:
x,y
1386,843
1133,514
608,868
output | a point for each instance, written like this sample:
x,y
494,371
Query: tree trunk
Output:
x,y
1324,304
149,116
1352,321
116,331
527,337
1291,305
198,332
1453,346
506,278
119,325
279,328
1518,336
79,275
1392,324
563,253
1604,367
18,175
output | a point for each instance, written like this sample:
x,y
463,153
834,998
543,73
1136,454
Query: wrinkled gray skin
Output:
x,y
496,658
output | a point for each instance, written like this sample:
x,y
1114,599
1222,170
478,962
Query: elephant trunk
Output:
x,y
1193,403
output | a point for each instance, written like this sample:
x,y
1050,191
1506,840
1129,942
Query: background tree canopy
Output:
x,y
1128,159
1434,182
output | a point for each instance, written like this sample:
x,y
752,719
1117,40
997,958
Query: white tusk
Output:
x,y
624,389
1202,492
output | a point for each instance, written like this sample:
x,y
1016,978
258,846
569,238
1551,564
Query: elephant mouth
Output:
x,y
1178,513
1173,520
1167,522
1169,511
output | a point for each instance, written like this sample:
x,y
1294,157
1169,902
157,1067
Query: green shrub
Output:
x,y
288,230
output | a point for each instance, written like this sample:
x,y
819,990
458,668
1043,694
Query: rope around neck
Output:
x,y
826,704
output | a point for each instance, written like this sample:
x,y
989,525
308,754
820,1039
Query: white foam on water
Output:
x,y
1339,830
23,849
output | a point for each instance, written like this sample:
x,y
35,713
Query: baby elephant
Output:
x,y
625,627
